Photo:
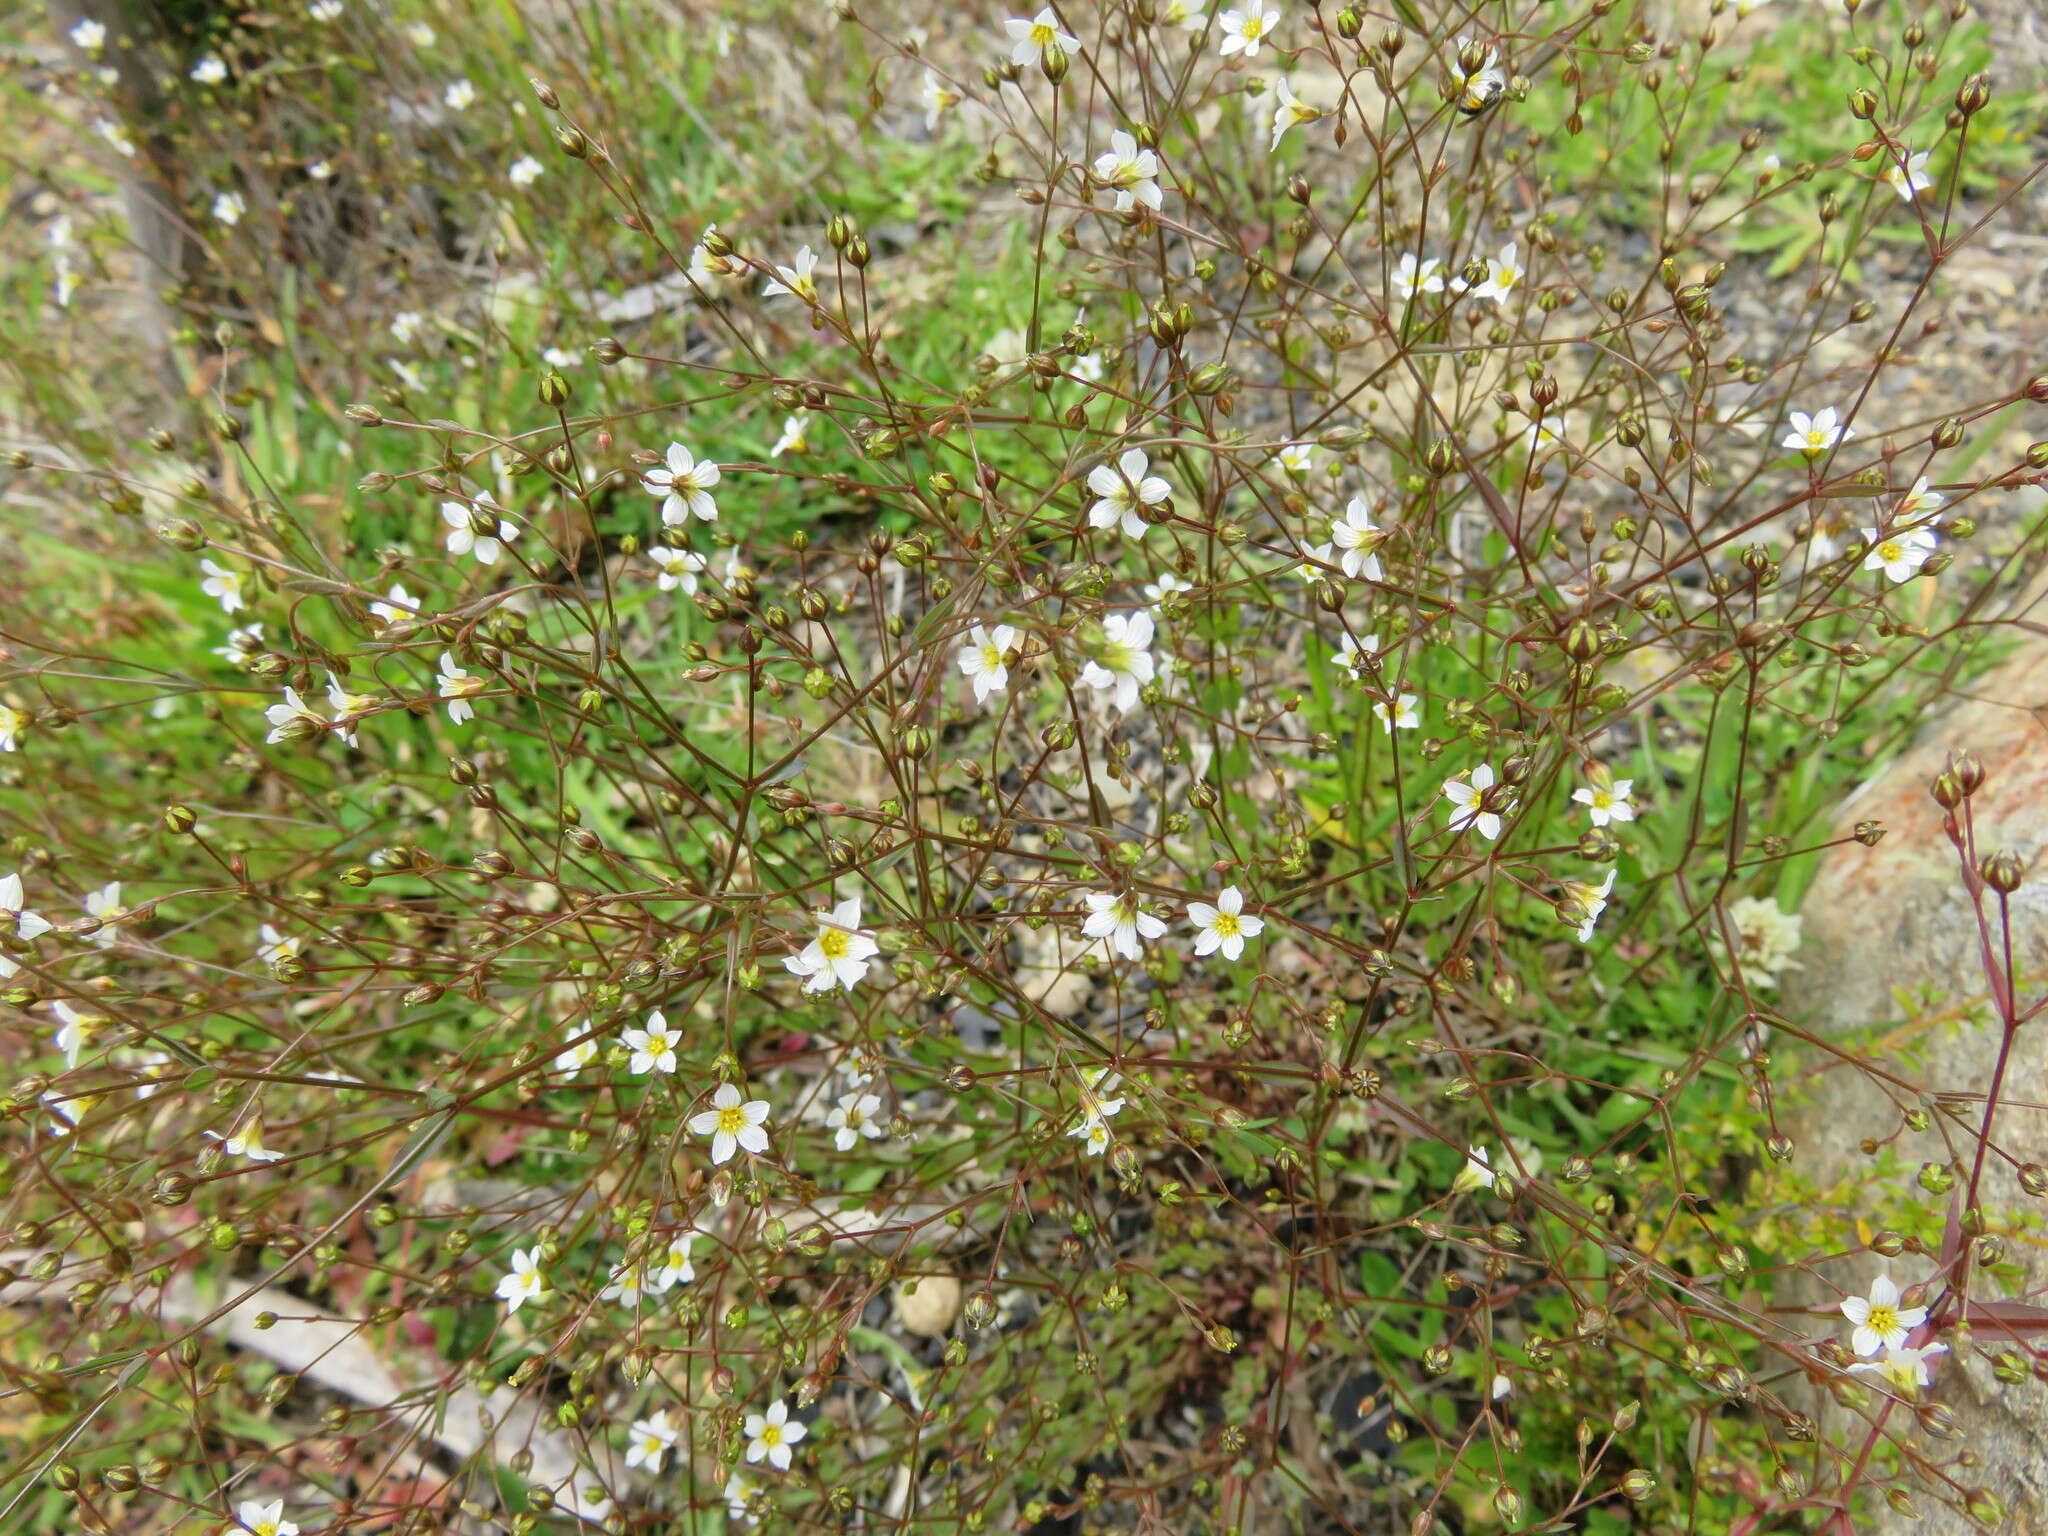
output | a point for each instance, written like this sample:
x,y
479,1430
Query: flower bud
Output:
x,y
1052,63
545,93
1946,789
1863,103
554,389
572,143
1974,96
2004,872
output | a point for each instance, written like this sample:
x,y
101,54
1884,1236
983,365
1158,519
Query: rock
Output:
x,y
1894,921
927,1306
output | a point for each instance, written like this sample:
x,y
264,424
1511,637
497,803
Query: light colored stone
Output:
x,y
927,1306
1894,942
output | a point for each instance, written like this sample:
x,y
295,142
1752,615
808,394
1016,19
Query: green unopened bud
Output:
x,y
1863,103
554,389
1209,379
572,143
1052,63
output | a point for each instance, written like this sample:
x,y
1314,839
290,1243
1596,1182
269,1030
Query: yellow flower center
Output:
x,y
732,1121
1603,800
1815,438
1117,656
1226,925
266,1528
1041,35
991,658
833,943
650,1445
1254,28
1883,1320
771,1434
1890,550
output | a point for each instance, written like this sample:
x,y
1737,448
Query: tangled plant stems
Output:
x,y
1163,916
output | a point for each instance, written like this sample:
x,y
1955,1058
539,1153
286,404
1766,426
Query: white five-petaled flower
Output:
x,y
264,1519
524,171
293,720
1313,558
675,1266
243,645
1503,274
576,1057
74,1030
800,280
523,1282
1130,172
1297,458
1093,1135
1544,432
246,1142
1224,926
348,708
1292,112
1168,584
210,70
794,438
675,567
937,98
1919,502
228,208
1401,717
1589,900
1124,664
981,659
1243,31
653,1048
1880,1322
1117,917
628,1283
1910,179
684,484
1123,490
732,1124
771,1434
1483,83
15,918
739,1497
397,606
1474,802
1028,41
460,95
1413,278
1905,1369
90,37
707,269
1476,1174
1816,434
1766,937
14,721
458,688
466,538
1359,538
649,1441
854,1117
1898,555
1607,800
272,945
104,905
223,585
839,955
